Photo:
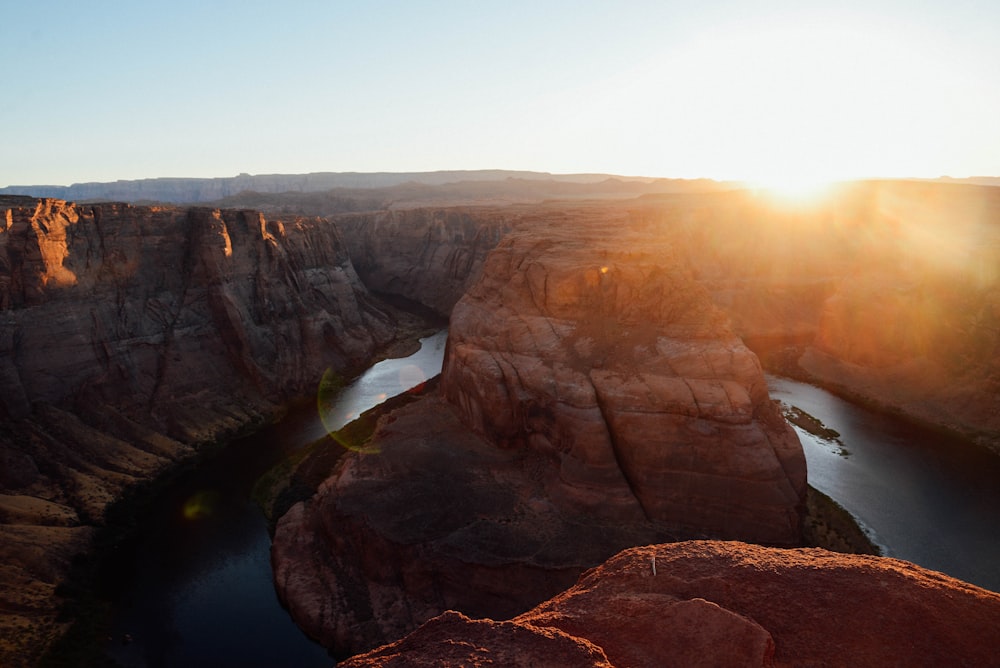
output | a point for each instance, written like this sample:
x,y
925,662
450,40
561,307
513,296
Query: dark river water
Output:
x,y
195,589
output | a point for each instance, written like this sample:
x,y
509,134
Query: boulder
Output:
x,y
711,603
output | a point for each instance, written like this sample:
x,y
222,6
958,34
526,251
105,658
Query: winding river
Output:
x,y
922,496
194,588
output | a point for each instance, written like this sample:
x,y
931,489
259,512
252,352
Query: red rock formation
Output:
x,y
590,342
609,406
131,335
430,256
916,324
709,603
438,518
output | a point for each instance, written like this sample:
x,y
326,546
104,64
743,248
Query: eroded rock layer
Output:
x,y
426,255
591,343
706,603
592,399
129,336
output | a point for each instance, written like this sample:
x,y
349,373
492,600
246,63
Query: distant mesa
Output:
x,y
199,190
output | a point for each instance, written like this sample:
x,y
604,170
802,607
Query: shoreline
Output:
x,y
783,360
81,608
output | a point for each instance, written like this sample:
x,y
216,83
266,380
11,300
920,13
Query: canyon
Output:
x,y
602,390
134,338
592,398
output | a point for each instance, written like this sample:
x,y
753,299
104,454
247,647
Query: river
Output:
x,y
923,496
195,587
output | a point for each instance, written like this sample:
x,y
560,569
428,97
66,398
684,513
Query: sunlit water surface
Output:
x,y
925,497
194,588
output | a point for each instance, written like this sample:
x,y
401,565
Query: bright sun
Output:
x,y
794,104
795,189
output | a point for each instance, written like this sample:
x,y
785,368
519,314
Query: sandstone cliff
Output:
x,y
726,604
591,343
593,398
129,337
889,288
429,256
915,326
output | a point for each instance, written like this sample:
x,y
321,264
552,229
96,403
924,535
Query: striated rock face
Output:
x,y
155,310
592,399
591,344
727,604
437,519
430,256
131,335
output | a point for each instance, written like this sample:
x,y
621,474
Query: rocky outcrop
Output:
x,y
430,256
130,336
726,604
916,326
592,344
882,290
592,399
437,518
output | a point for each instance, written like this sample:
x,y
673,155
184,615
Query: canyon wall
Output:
x,y
428,256
706,603
132,336
589,341
883,290
592,398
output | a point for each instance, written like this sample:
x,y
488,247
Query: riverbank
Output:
x,y
827,524
84,606
784,360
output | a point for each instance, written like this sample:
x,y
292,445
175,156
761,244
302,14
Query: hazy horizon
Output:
x,y
765,91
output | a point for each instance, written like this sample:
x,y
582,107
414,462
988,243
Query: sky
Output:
x,y
766,91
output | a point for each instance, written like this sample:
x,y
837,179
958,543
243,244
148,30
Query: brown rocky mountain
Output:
x,y
707,603
130,337
593,398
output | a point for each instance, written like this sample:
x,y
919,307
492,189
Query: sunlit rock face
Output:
x,y
916,324
150,308
129,336
589,342
707,603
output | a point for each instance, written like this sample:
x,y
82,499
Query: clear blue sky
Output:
x,y
105,90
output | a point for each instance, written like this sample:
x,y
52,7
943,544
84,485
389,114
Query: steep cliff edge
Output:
x,y
915,326
430,256
592,399
709,603
129,337
592,344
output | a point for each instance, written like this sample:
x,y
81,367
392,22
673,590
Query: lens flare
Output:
x,y
330,386
411,376
200,505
